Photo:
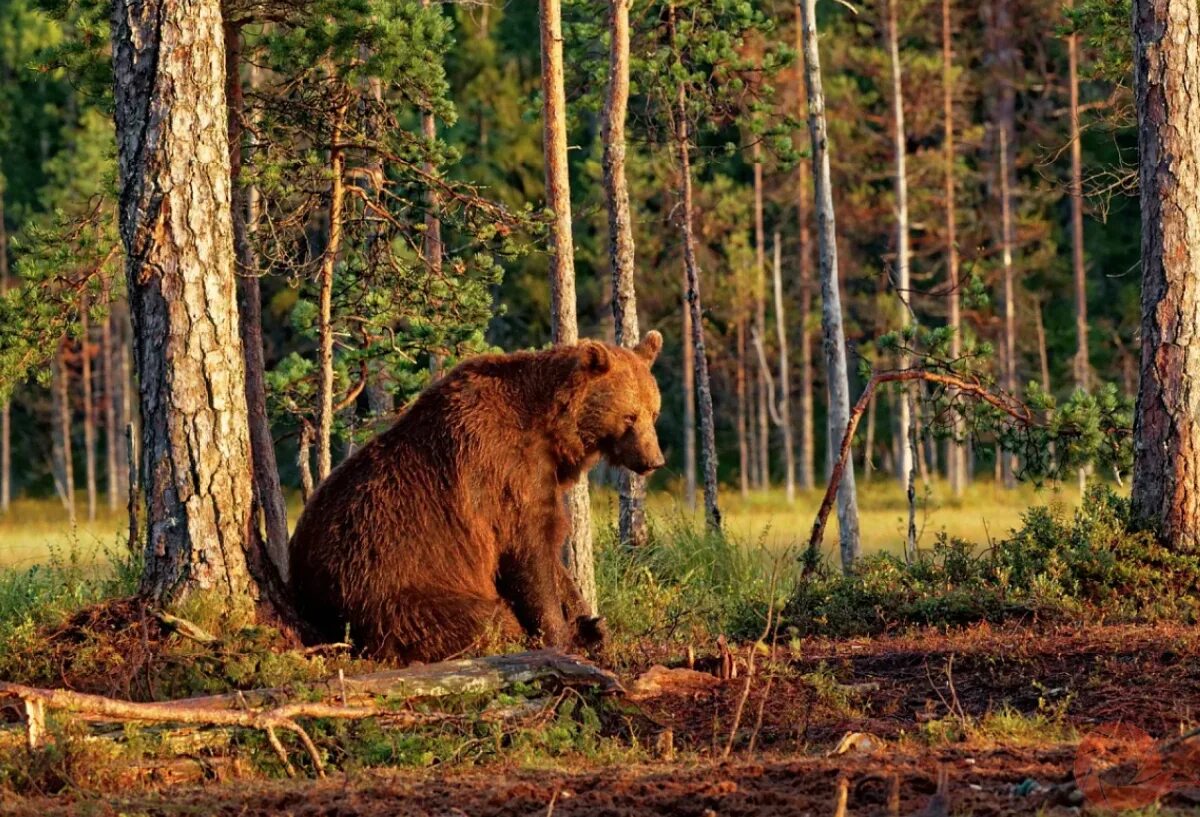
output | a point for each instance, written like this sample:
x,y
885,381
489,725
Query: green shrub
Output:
x,y
1092,563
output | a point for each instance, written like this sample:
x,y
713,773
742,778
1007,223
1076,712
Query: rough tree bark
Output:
x,y
956,460
173,151
631,524
89,404
833,336
904,419
785,382
268,492
563,323
762,428
806,473
1166,466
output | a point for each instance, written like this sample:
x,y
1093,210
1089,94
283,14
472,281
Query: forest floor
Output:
x,y
1009,714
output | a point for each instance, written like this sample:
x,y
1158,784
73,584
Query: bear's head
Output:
x,y
621,403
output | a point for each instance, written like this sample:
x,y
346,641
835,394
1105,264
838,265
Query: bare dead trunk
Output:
x,y
1008,462
631,520
5,407
904,419
1166,469
807,446
689,405
329,258
173,151
762,437
956,461
833,336
563,322
742,408
268,492
89,407
785,383
62,457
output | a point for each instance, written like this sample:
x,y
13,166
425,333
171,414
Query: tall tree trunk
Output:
x,y
268,492
89,407
5,406
173,151
431,242
1166,465
631,521
956,460
329,258
833,336
112,433
62,457
785,382
689,405
742,407
807,447
762,418
1082,362
1008,464
563,323
904,419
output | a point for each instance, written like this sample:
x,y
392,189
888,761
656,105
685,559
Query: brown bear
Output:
x,y
451,523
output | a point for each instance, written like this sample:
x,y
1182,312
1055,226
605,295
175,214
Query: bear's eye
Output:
x,y
631,420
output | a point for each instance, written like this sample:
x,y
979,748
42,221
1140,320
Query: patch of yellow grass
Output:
x,y
34,529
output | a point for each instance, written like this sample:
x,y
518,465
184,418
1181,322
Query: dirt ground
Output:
x,y
1063,690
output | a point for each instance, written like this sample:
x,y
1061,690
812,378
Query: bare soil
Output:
x,y
1081,679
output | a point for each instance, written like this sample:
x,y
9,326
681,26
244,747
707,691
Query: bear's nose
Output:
x,y
654,466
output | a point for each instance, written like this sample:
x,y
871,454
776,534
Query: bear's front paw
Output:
x,y
590,632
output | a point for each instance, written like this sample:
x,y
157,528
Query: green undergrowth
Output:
x,y
1091,564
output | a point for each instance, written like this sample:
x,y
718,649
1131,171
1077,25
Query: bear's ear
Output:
x,y
650,346
594,357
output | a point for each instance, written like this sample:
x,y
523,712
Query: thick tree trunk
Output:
x,y
833,336
631,522
5,407
689,405
62,457
1166,469
762,418
329,258
563,323
742,407
904,419
268,492
785,381
89,406
173,150
956,461
807,447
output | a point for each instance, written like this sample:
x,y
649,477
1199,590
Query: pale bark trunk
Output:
x,y
807,446
956,460
5,407
1008,461
329,258
689,405
631,520
61,454
742,408
762,437
563,323
111,432
785,382
89,408
268,492
904,419
1166,470
173,150
833,336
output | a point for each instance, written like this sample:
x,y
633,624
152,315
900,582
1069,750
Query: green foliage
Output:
x,y
1093,563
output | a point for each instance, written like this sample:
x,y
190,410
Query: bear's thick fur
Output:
x,y
452,523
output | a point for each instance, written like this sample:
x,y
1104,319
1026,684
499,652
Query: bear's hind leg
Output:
x,y
426,627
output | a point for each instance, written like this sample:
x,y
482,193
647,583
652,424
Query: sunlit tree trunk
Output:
x,y
1082,362
563,322
325,276
762,436
904,420
268,492
833,336
175,222
956,461
806,474
89,408
1166,466
631,520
